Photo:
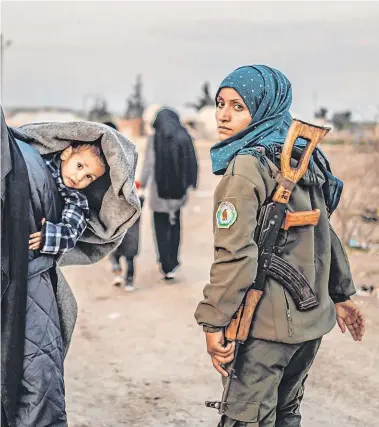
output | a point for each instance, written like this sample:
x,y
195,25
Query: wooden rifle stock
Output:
x,y
239,327
232,329
296,219
313,134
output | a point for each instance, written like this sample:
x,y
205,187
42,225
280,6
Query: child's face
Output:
x,y
79,169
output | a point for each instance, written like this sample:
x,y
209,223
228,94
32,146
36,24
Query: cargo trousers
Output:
x,y
270,382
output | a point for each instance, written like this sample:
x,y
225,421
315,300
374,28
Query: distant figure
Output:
x,y
128,249
170,166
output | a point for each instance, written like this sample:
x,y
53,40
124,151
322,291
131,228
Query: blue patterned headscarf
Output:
x,y
267,93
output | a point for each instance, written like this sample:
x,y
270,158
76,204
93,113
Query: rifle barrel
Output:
x,y
231,371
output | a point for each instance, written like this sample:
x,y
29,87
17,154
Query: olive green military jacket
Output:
x,y
315,251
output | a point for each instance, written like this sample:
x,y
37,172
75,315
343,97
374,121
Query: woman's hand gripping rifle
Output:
x,y
276,217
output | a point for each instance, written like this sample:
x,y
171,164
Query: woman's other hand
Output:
x,y
349,316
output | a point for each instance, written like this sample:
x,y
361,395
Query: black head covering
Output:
x,y
111,125
175,157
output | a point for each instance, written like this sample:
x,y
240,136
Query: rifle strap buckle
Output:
x,y
279,178
284,182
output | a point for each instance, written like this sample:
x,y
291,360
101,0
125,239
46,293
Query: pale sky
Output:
x,y
62,52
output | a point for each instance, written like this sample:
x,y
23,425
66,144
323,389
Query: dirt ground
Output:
x,y
138,359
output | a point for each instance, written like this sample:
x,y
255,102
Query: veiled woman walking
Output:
x,y
170,168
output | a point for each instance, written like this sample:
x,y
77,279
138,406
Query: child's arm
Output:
x,y
60,238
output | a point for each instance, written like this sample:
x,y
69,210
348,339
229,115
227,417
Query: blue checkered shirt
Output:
x,y
60,238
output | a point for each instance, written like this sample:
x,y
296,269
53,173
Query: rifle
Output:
x,y
272,218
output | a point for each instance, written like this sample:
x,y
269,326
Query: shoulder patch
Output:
x,y
226,215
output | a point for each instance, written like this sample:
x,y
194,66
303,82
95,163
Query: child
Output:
x,y
73,169
129,249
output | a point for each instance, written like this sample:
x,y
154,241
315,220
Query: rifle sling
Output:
x,y
279,178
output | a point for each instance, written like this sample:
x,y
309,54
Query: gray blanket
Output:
x,y
113,199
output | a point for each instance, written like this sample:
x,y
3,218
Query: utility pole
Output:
x,y
4,44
